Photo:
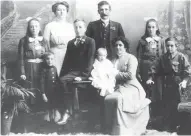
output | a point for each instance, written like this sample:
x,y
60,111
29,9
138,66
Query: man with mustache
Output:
x,y
104,30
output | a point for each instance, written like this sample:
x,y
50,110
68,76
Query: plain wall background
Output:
x,y
130,13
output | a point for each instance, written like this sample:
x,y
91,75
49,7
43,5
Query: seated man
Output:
x,y
78,61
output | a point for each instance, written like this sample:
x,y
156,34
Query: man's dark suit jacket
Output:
x,y
79,57
94,31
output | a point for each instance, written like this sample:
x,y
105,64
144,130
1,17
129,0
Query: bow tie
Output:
x,y
40,38
79,40
149,39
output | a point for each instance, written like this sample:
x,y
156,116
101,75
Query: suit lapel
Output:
x,y
111,29
99,27
111,35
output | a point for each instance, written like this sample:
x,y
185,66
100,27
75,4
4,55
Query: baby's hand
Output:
x,y
45,99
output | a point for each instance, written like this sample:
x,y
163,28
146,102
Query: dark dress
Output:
x,y
174,70
27,51
30,54
148,51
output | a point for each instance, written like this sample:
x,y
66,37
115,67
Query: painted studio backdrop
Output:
x,y
173,17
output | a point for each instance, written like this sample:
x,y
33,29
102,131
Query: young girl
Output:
x,y
150,48
103,73
30,51
176,70
49,85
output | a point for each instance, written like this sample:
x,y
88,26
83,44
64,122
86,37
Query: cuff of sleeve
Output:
x,y
22,70
85,74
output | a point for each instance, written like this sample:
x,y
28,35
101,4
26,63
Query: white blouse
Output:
x,y
58,33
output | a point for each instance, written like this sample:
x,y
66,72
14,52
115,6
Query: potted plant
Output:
x,y
13,100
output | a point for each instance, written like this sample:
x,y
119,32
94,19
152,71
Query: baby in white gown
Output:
x,y
103,73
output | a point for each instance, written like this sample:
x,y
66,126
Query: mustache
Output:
x,y
104,14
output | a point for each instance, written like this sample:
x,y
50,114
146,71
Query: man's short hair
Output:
x,y
172,38
101,3
79,20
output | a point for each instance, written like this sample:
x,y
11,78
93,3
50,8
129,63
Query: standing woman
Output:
x,y
151,46
30,51
58,32
126,110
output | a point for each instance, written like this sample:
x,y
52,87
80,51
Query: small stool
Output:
x,y
77,85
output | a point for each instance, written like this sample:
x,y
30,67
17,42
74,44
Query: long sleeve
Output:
x,y
46,46
89,30
95,74
156,69
91,55
66,62
121,32
42,81
139,52
21,56
46,36
163,47
186,68
131,68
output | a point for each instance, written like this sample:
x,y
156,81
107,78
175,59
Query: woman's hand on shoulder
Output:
x,y
23,77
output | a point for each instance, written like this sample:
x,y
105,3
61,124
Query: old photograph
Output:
x,y
95,67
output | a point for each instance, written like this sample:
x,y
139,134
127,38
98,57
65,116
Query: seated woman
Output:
x,y
126,110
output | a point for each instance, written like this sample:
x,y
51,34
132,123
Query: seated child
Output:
x,y
49,86
103,73
176,70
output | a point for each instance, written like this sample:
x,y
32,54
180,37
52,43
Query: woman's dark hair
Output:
x,y
101,3
124,40
28,33
147,23
54,7
174,39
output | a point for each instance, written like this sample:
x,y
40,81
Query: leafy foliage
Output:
x,y
14,97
